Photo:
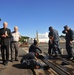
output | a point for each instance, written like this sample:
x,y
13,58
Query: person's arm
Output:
x,y
2,35
51,36
9,35
36,58
19,36
39,49
32,56
72,36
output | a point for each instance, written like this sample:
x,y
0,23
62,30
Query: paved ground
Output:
x,y
14,68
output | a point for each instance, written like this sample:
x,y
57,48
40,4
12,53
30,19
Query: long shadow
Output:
x,y
19,66
47,72
21,55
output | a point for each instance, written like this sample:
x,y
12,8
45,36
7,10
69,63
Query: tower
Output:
x,y
37,36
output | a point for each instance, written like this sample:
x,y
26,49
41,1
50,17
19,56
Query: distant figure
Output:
x,y
53,41
5,35
15,44
34,47
69,41
35,40
30,61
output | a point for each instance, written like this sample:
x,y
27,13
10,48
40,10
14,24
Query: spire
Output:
x,y
37,36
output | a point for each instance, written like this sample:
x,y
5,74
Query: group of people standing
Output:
x,y
9,40
54,41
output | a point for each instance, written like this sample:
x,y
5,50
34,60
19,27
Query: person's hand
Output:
x,y
3,35
37,67
6,34
36,59
71,42
50,41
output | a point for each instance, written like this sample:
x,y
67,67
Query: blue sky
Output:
x,y
37,15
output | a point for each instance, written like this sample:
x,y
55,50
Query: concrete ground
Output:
x,y
14,68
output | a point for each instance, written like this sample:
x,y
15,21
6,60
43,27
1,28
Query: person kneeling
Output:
x,y
30,61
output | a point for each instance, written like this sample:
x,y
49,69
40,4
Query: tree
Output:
x,y
62,36
23,38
